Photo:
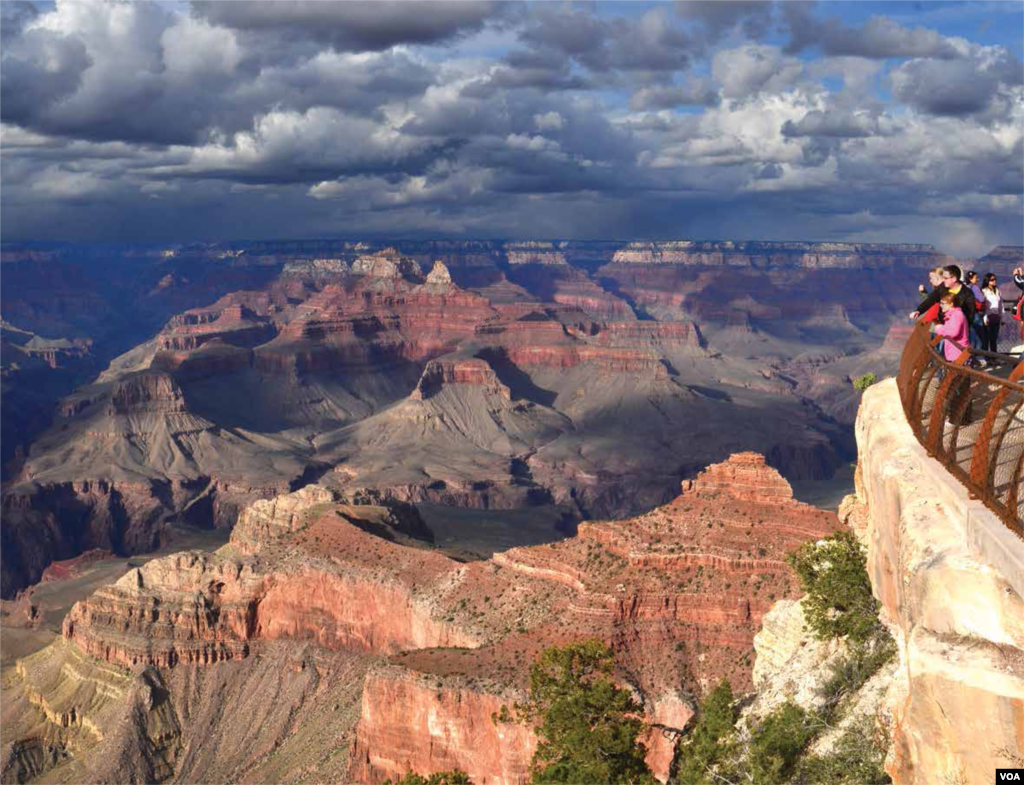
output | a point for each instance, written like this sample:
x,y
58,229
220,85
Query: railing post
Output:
x,y
992,451
983,449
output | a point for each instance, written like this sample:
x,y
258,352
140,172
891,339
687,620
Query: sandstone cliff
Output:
x,y
678,593
949,576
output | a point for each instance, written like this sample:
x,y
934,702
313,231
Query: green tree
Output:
x,y
865,381
776,744
453,777
710,742
588,727
839,600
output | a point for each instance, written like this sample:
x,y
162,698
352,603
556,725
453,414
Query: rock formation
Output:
x,y
949,576
678,593
331,376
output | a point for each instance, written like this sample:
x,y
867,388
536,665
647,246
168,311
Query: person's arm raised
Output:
x,y
929,301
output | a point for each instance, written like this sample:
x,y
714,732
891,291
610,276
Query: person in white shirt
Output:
x,y
993,314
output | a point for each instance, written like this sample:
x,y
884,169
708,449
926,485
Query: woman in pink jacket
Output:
x,y
953,329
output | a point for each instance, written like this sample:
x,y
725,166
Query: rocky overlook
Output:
x,y
948,574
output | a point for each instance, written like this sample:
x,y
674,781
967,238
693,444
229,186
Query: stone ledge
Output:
x,y
948,574
986,536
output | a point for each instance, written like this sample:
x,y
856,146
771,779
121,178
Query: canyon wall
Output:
x,y
950,577
677,594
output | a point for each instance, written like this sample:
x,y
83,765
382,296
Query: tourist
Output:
x,y
953,328
1018,278
976,324
963,297
993,316
934,281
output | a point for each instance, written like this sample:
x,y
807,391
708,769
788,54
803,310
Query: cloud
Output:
x,y
286,146
355,25
696,92
646,47
752,68
40,68
718,18
878,37
142,121
833,123
134,72
969,85
14,16
549,121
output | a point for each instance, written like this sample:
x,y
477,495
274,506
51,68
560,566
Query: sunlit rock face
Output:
x,y
944,569
678,594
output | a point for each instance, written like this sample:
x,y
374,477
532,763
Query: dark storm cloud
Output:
x,y
878,37
355,25
834,123
571,48
166,79
648,48
955,87
696,93
718,18
136,120
40,68
532,68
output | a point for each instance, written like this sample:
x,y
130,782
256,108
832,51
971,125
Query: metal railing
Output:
x,y
970,420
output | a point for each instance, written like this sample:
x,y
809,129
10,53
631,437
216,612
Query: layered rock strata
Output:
x,y
583,374
678,593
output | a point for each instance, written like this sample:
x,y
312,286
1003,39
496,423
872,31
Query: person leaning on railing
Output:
x,y
963,297
953,328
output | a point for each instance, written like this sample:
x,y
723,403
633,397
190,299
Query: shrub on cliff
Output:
x,y
865,381
714,752
453,777
710,743
777,743
857,758
839,600
588,727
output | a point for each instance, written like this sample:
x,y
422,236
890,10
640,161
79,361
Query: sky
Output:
x,y
206,121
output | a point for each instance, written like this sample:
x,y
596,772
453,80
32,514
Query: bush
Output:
x,y
588,727
839,600
710,743
453,777
838,604
849,674
857,759
865,381
776,744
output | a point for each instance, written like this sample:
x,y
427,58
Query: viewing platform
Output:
x,y
946,561
971,422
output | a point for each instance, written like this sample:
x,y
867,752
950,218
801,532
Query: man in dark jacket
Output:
x,y
963,297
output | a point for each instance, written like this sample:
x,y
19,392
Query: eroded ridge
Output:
x,y
678,593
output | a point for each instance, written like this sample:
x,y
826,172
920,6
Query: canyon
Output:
x,y
429,460
412,652
501,375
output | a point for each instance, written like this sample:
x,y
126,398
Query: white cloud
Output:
x,y
753,68
549,121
